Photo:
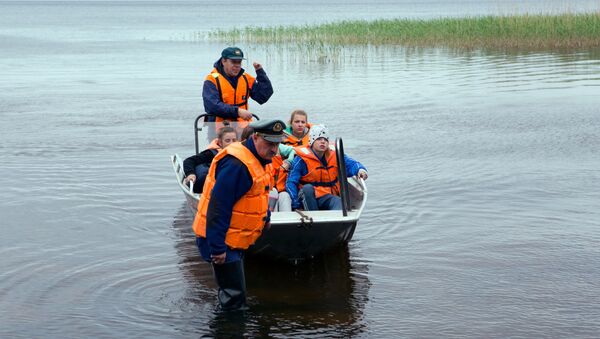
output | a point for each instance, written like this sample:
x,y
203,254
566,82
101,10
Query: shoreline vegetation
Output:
x,y
562,31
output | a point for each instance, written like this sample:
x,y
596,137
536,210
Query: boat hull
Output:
x,y
294,242
296,236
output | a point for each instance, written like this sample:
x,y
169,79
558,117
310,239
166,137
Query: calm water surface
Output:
x,y
483,217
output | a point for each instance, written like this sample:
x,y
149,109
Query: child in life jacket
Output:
x,y
298,129
196,167
313,180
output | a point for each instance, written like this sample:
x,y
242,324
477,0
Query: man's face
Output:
x,y
265,149
231,67
320,145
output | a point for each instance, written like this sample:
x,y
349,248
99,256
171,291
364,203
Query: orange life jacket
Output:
x,y
232,96
214,145
250,211
278,174
323,178
295,142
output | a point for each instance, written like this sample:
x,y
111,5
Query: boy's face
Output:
x,y
320,145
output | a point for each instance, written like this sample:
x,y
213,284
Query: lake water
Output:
x,y
483,217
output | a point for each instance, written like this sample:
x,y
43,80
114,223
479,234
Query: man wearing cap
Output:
x,y
228,87
233,208
315,172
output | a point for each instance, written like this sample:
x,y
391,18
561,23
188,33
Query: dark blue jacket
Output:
x,y
199,165
261,92
299,169
233,180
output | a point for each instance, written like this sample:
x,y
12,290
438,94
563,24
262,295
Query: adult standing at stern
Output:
x,y
233,208
228,87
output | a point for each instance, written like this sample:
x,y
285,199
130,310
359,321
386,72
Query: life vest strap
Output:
x,y
247,88
243,103
320,183
219,87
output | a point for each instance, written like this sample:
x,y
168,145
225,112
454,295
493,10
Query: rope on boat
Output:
x,y
305,221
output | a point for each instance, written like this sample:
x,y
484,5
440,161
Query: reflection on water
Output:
x,y
324,297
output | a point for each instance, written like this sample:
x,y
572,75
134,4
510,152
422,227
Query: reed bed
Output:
x,y
513,31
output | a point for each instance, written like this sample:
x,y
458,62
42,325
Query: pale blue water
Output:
x,y
482,218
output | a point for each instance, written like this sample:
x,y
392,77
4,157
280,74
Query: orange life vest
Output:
x,y
323,178
278,174
232,96
214,145
250,211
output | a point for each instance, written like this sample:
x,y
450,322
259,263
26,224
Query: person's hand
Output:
x,y
191,177
244,114
362,174
286,165
218,258
257,66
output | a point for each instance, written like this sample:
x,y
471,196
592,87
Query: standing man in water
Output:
x,y
233,208
228,87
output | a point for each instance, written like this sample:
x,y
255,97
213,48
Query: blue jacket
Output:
x,y
299,170
233,180
261,92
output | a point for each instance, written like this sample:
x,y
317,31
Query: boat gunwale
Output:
x,y
318,217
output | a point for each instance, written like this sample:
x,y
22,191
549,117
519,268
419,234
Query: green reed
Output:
x,y
512,31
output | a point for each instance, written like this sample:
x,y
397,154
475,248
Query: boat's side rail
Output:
x,y
180,174
356,188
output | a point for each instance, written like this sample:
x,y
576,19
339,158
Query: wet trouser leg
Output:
x,y
232,285
229,276
308,199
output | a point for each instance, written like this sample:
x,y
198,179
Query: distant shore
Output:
x,y
513,31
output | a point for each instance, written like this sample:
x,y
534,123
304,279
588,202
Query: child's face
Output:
x,y
228,138
320,145
298,123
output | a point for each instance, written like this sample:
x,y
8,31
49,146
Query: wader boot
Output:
x,y
232,285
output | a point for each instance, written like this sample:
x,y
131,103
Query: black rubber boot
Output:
x,y
232,285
